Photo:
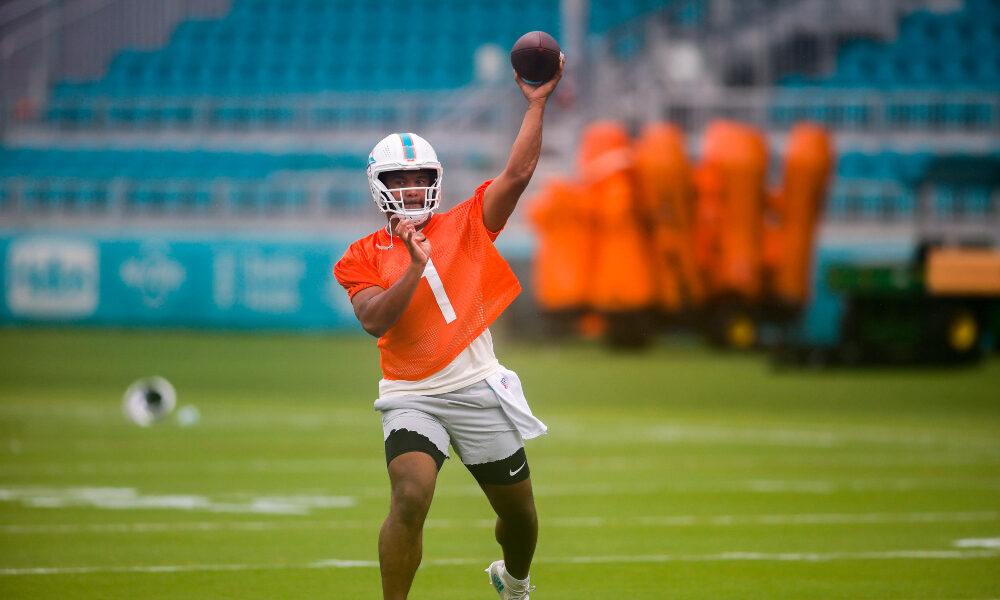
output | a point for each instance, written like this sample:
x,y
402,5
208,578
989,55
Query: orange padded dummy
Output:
x,y
563,258
731,200
795,209
622,275
665,196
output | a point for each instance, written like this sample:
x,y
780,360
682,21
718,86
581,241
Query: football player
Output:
x,y
430,298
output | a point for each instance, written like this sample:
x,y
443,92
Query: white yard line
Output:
x,y
130,498
840,458
781,556
977,543
755,486
611,559
749,486
780,434
127,498
648,521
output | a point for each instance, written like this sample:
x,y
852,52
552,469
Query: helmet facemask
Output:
x,y
387,201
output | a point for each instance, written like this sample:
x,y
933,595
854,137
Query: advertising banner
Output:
x,y
213,281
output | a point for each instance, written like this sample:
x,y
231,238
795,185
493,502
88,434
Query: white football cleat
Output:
x,y
505,584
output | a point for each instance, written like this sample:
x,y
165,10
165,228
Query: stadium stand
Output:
x,y
951,55
953,51
884,187
265,49
279,47
920,76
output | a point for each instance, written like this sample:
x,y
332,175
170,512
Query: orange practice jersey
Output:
x,y
465,287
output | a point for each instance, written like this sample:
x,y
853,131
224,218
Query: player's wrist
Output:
x,y
417,264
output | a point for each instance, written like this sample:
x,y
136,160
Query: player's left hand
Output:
x,y
541,93
416,242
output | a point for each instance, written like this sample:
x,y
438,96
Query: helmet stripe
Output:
x,y
408,150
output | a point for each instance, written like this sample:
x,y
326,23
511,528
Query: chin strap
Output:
x,y
389,247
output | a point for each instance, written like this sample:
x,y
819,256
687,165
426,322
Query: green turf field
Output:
x,y
672,474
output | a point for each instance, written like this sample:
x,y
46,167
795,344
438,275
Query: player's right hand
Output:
x,y
543,91
416,242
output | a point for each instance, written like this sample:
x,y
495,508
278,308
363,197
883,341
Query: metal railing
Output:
x,y
464,109
858,111
870,112
334,198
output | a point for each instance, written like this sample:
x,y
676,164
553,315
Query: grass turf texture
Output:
x,y
676,473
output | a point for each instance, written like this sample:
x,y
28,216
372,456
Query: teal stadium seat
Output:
x,y
292,46
903,206
956,56
857,190
29,192
157,182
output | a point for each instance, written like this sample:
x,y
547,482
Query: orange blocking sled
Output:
x,y
639,228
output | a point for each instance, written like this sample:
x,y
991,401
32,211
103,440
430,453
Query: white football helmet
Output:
x,y
148,400
404,152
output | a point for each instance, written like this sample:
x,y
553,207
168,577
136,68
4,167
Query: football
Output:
x,y
535,57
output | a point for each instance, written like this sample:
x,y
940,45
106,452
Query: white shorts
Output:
x,y
470,419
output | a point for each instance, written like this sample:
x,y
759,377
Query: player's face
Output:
x,y
404,186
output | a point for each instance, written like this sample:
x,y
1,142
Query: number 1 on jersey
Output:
x,y
437,287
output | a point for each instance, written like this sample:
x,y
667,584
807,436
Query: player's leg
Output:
x,y
415,448
493,451
400,542
507,486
